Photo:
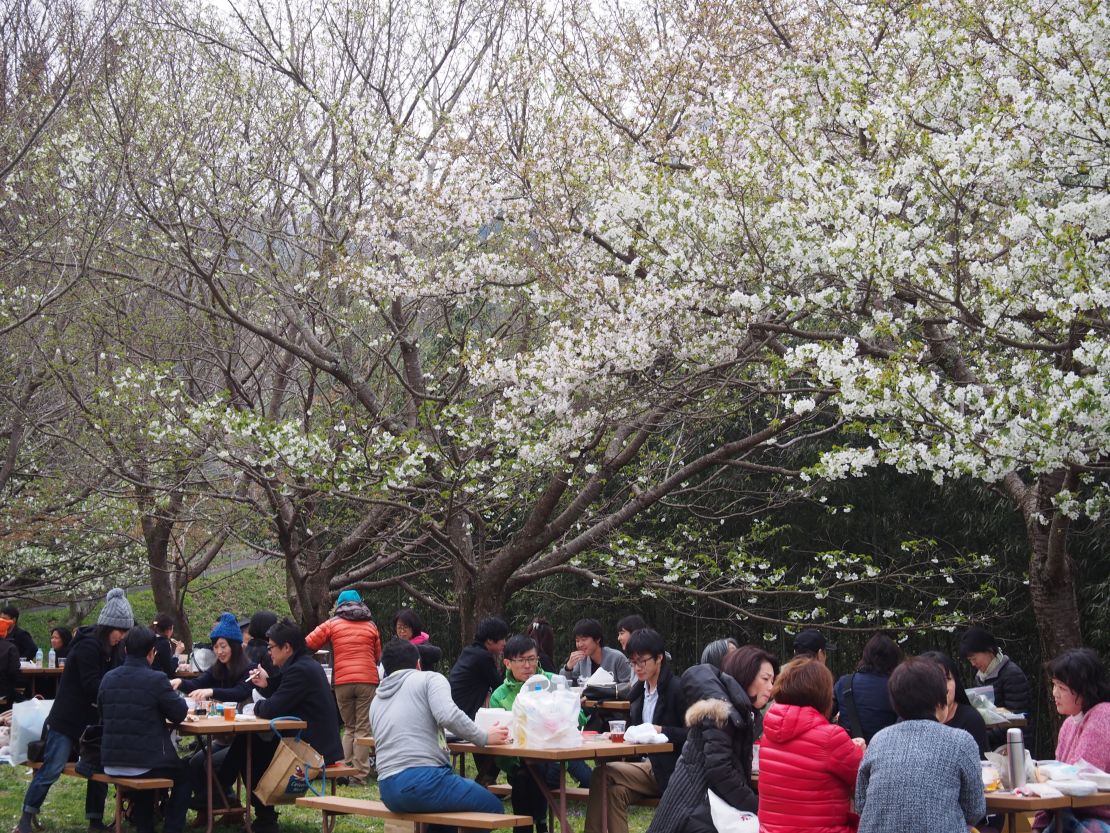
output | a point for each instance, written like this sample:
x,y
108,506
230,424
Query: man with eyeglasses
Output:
x,y
301,690
521,659
657,698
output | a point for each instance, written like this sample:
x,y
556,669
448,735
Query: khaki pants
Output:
x,y
353,700
627,782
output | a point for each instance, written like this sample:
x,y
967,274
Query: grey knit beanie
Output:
x,y
117,611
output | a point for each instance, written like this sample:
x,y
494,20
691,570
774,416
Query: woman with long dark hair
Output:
x,y
861,698
960,714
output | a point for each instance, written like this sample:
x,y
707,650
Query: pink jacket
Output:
x,y
807,773
1088,738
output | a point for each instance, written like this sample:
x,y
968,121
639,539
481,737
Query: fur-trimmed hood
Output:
x,y
714,711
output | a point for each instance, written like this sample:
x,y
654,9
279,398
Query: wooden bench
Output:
x,y
119,782
573,794
332,807
335,772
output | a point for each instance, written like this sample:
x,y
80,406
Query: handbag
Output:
x,y
88,756
617,691
727,819
295,769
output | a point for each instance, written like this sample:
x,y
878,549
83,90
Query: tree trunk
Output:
x,y
309,587
477,598
157,533
1052,570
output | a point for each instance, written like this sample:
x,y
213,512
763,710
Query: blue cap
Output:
x,y
227,628
348,596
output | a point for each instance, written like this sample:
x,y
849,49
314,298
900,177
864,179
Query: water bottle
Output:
x,y
38,657
1015,758
52,659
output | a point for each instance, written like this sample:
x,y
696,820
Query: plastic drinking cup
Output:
x,y
229,711
616,731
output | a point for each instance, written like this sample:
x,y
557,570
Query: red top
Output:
x,y
807,773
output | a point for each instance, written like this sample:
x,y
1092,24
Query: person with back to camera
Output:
x,y
810,642
92,654
1011,686
862,699
541,632
408,625
656,698
23,640
715,652
918,775
1081,693
723,721
802,754
9,665
257,649
409,714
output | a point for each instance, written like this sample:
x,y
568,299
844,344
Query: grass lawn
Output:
x,y
64,809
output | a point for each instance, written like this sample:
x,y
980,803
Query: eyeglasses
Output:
x,y
642,662
525,660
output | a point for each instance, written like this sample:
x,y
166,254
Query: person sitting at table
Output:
x,y
23,640
723,721
1081,693
801,753
960,713
225,681
543,635
627,626
9,664
302,690
861,699
408,625
93,652
356,647
918,775
715,652
135,702
656,698
257,648
590,653
810,642
167,650
521,659
409,713
1011,687
474,676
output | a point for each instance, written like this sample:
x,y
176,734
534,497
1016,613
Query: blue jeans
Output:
x,y
54,758
433,789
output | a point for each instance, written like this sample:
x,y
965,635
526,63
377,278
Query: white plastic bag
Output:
x,y
546,719
727,819
27,720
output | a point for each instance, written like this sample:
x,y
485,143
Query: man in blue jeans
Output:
x,y
408,716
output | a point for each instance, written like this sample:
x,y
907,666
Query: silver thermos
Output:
x,y
1015,758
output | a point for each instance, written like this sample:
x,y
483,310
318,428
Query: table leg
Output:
x,y
541,781
209,771
599,772
250,786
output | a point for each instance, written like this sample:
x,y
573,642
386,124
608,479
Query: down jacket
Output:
x,y
717,754
807,773
1011,691
135,703
356,644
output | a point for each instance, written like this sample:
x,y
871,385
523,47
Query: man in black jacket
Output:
x,y
92,653
301,690
23,640
135,702
474,676
657,698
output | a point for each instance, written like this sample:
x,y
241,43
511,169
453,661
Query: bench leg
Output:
x,y
119,810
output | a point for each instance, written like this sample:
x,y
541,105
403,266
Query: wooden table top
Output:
x,y
196,725
587,751
39,670
1099,799
1008,802
611,705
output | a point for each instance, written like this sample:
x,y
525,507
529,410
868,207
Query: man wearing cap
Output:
x,y
356,647
92,653
811,643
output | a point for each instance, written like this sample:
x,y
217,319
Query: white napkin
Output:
x,y
644,733
601,677
1042,790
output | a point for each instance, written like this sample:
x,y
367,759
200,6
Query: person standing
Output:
x,y
301,689
657,698
407,624
9,664
92,654
356,648
475,674
135,702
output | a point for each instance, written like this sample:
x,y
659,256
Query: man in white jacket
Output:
x,y
409,713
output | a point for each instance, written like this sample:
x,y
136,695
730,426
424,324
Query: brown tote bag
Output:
x,y
295,770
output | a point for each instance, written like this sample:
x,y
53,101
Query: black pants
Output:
x,y
528,798
142,801
225,767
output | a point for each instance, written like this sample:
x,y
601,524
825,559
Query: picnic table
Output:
x,y
33,673
196,725
608,705
599,751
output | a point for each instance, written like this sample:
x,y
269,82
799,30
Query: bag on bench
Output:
x,y
296,769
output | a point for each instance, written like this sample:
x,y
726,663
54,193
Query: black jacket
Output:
x,y
135,702
302,690
164,658
24,642
258,652
872,703
717,754
224,690
473,676
75,704
670,715
1011,691
9,669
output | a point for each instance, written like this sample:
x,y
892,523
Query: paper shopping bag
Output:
x,y
296,769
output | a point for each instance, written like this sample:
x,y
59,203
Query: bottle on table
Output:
x,y
52,659
38,657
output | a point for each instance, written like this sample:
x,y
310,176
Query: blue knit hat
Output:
x,y
227,628
348,596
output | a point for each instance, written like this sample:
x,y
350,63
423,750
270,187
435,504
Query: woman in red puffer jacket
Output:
x,y
807,766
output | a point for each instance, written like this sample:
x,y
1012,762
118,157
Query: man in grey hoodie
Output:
x,y
409,714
